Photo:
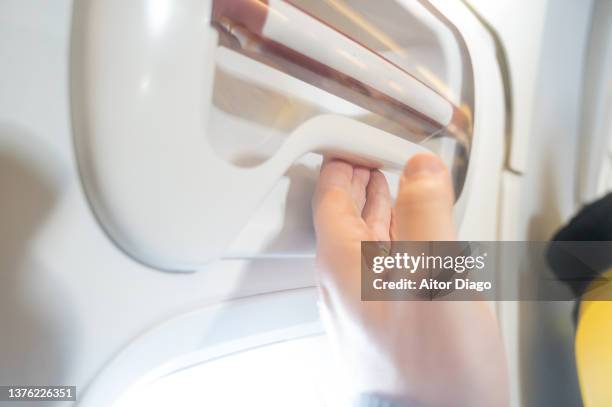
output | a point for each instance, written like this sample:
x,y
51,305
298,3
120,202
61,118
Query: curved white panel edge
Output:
x,y
205,334
488,143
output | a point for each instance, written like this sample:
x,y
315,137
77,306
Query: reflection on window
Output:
x,y
291,373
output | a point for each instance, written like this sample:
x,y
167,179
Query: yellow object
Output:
x,y
594,344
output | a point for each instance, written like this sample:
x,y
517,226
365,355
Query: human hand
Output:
x,y
440,353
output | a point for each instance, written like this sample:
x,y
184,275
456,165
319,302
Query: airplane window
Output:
x,y
291,373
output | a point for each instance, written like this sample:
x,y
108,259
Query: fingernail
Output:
x,y
422,164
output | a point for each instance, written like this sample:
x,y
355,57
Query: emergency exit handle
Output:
x,y
347,139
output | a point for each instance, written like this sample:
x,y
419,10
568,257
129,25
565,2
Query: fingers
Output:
x,y
335,174
361,177
347,197
333,203
377,210
424,206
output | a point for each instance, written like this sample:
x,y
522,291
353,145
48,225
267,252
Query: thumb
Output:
x,y
424,205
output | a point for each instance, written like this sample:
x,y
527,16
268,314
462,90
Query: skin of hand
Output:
x,y
431,353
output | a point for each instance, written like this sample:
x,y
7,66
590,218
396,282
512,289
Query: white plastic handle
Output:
x,y
344,138
292,27
139,106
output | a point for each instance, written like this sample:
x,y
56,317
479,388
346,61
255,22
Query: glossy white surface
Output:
x,y
140,105
203,335
290,373
70,299
520,26
289,26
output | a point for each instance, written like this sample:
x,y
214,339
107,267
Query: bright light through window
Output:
x,y
292,373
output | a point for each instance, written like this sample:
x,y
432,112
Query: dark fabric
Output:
x,y
592,223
